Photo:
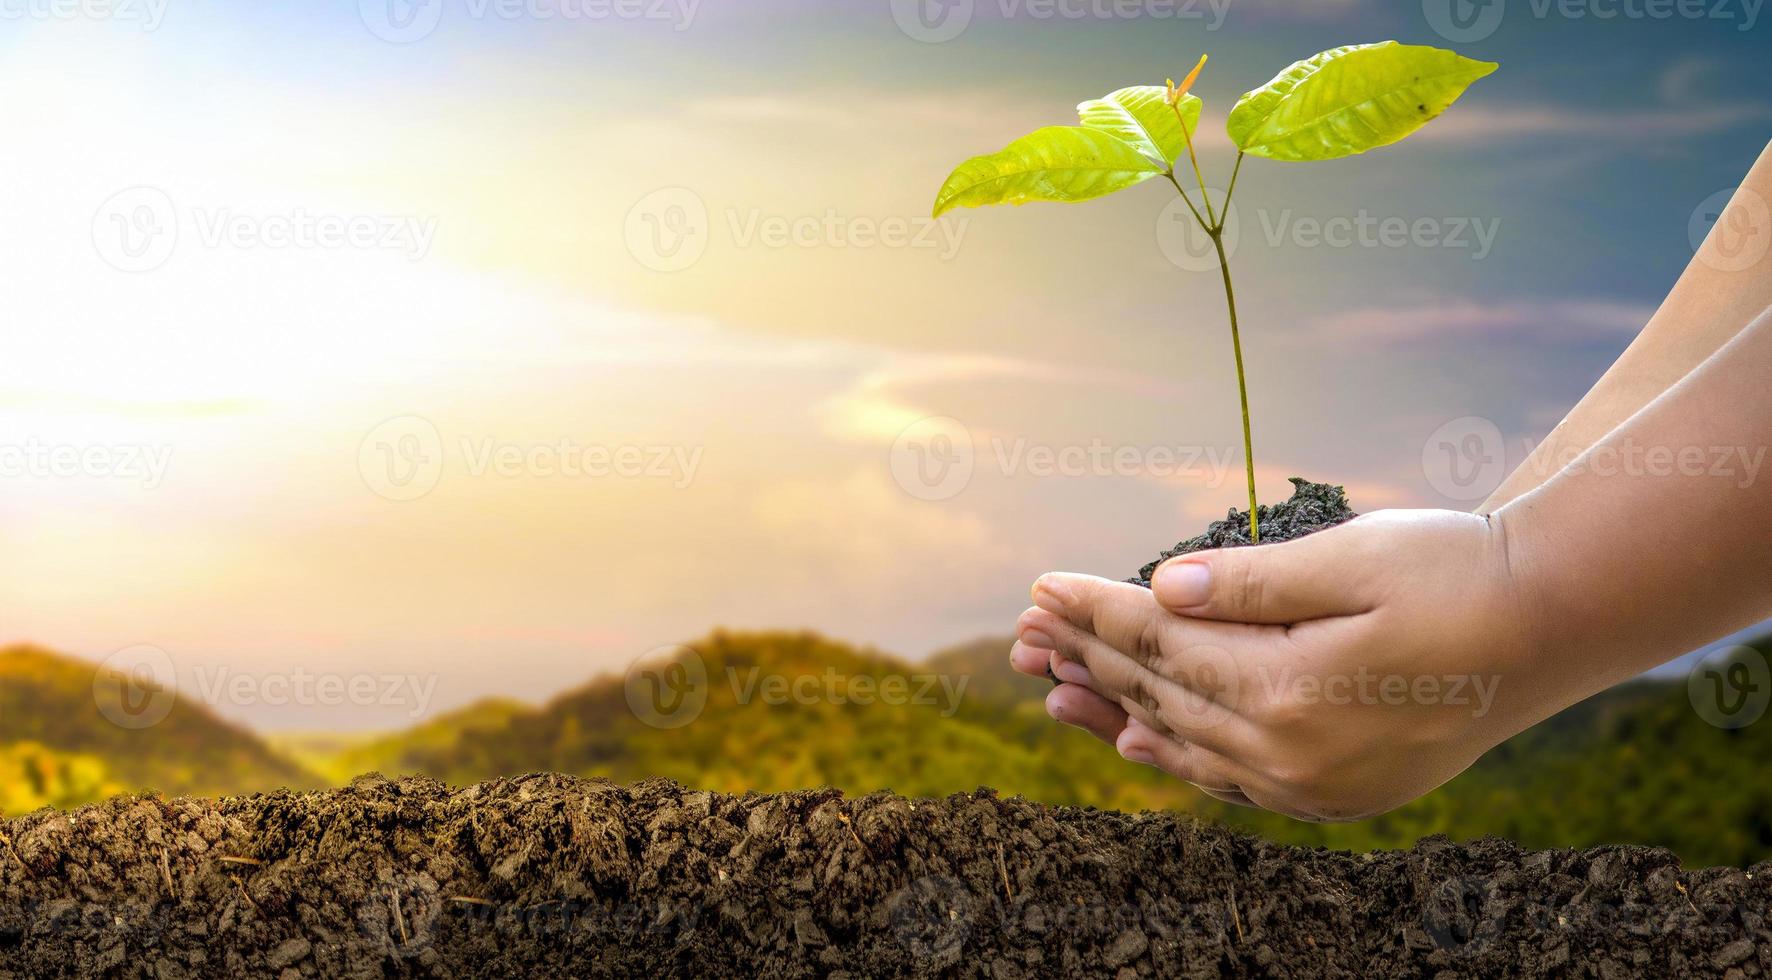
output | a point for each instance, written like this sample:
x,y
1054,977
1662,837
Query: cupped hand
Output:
x,y
1330,678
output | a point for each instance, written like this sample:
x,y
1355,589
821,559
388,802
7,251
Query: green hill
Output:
x,y
57,748
937,741
1634,765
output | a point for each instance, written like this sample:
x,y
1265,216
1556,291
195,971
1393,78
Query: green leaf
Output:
x,y
1058,163
1139,116
1349,100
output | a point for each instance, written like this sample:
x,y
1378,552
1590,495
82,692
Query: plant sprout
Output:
x,y
1338,103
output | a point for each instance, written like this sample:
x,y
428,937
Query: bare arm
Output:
x,y
1659,538
1719,293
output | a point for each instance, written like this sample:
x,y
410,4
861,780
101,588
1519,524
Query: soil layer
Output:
x,y
1313,507
554,875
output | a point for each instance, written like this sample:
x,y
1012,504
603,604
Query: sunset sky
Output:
x,y
288,259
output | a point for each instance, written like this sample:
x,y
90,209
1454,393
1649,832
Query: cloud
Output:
x,y
1486,124
1552,321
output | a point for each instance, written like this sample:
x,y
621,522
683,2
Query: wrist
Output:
x,y
1543,662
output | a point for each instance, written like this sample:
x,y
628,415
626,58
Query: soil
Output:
x,y
553,875
1313,507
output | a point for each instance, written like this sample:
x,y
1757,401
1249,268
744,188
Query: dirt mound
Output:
x,y
1312,507
549,875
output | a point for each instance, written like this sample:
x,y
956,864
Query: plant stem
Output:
x,y
1190,204
1230,298
1214,229
1235,170
1188,138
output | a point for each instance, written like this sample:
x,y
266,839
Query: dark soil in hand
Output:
x,y
557,876
1313,507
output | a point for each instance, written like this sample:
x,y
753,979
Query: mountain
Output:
x,y
780,710
1636,764
57,747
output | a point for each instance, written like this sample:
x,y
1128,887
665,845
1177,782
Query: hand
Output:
x,y
1330,678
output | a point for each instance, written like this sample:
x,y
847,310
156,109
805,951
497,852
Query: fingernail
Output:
x,y
1052,595
1038,640
1139,756
1182,584
1072,673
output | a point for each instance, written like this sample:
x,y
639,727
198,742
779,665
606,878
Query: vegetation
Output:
x,y
1635,765
1335,104
57,748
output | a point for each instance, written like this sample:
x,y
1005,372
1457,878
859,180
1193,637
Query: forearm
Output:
x,y
1659,538
1713,300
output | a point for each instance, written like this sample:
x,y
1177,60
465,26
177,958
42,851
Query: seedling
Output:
x,y
1339,103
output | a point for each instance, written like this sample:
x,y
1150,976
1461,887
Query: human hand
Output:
x,y
1330,678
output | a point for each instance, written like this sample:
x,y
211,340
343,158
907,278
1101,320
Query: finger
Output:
x,y
1315,577
1029,660
1153,699
1186,761
1083,708
1209,658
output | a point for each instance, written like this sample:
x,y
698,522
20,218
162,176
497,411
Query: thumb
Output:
x,y
1312,578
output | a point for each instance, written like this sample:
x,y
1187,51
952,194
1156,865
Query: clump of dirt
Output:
x,y
553,875
1313,507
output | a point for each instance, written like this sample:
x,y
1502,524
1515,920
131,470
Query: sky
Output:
x,y
495,344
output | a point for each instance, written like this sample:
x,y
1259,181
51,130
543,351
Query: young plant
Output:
x,y
1344,101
